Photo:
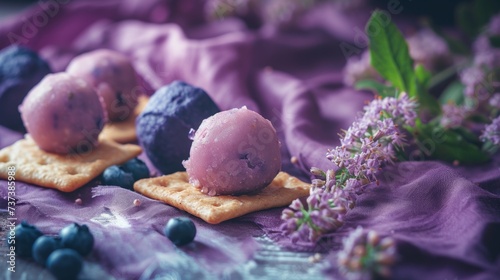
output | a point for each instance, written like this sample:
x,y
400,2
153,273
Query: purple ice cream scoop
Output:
x,y
113,77
163,127
63,114
234,152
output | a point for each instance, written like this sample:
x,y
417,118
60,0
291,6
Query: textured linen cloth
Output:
x,y
445,219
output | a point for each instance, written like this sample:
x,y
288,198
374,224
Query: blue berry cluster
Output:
x,y
126,174
62,254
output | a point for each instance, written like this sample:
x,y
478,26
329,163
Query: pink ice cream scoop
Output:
x,y
114,78
63,114
234,152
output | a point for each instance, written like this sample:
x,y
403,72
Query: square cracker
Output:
x,y
175,190
62,172
124,132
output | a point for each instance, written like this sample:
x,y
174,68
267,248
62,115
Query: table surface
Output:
x,y
269,262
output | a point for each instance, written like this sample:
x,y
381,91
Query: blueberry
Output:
x,y
20,70
26,235
116,176
65,264
137,168
163,127
44,246
180,230
78,238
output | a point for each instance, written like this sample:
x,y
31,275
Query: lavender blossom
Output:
x,y
495,101
365,254
494,26
366,146
370,142
475,81
324,213
453,115
429,49
491,132
486,55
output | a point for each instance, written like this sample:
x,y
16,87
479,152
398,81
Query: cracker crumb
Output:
x,y
78,201
294,160
137,202
315,258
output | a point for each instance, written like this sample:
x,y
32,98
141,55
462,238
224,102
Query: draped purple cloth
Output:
x,y
445,219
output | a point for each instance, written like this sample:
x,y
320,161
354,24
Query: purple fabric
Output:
x,y
446,219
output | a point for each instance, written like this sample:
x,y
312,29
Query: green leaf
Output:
x,y
423,75
448,145
377,87
454,93
389,53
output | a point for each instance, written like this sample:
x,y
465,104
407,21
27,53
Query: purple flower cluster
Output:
x,y
429,49
495,101
491,132
453,115
365,254
481,78
366,146
372,140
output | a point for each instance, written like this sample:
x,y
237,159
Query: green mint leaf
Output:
x,y
454,93
448,145
377,87
389,53
423,75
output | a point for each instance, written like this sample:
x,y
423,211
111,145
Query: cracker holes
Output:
x,y
4,158
71,171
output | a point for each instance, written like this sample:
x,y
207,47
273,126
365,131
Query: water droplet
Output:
x,y
191,134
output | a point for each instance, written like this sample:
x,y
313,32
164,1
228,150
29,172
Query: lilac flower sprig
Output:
x,y
491,132
365,253
366,146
